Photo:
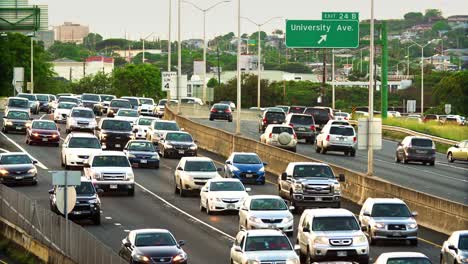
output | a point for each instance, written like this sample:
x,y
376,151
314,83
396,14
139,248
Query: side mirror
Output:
x,y
456,146
135,130
51,191
228,162
284,176
248,189
34,162
265,163
127,244
291,208
219,169
237,249
364,228
125,148
180,168
366,214
100,191
452,247
341,178
414,214
305,230
181,242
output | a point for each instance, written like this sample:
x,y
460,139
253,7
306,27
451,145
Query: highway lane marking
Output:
x,y
42,116
117,224
40,164
183,212
108,217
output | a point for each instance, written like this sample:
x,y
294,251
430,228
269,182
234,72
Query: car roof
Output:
x,y
17,98
308,163
265,196
14,109
263,232
82,108
119,99
460,232
320,107
150,230
42,120
165,121
278,125
329,212
82,134
110,153
299,114
402,254
220,179
196,159
386,200
245,153
121,109
148,117
14,153
68,96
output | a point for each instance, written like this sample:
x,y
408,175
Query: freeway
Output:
x,y
155,205
445,180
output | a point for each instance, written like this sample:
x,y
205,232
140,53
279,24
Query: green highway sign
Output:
x,y
322,33
340,16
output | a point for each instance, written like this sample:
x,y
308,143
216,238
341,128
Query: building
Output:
x,y
47,37
198,67
460,21
75,70
195,88
193,43
69,32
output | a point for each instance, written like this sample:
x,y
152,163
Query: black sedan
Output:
x,y
152,246
17,168
221,111
16,121
177,144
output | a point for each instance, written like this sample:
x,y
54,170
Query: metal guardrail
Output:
x,y
51,229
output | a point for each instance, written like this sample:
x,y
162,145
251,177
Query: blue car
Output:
x,y
245,166
141,153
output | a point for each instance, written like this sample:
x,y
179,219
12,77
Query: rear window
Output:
x,y
148,101
221,106
343,131
133,101
65,105
18,103
279,130
107,97
323,113
275,115
166,126
332,223
302,120
30,97
42,97
297,109
420,142
90,97
44,125
120,125
68,99
120,103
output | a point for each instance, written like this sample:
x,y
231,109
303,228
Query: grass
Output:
x,y
16,253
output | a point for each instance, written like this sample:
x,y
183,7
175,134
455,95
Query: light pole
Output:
x,y
407,61
238,115
31,35
204,40
169,44
179,57
143,39
370,150
259,55
422,72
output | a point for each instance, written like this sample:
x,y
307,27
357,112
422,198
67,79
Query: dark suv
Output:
x,y
416,149
303,125
270,117
92,101
114,133
117,104
321,115
296,109
221,111
88,205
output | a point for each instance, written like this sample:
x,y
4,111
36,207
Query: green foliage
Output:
x,y
69,50
440,26
98,83
116,43
91,39
432,13
263,35
414,18
212,83
137,80
454,132
453,89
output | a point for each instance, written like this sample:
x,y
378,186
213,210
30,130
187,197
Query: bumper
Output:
x,y
159,113
85,212
286,227
310,201
255,178
177,153
113,186
220,116
75,160
82,128
334,147
351,253
292,145
217,206
422,157
19,180
395,234
21,129
60,118
305,135
44,140
138,162
146,112
114,144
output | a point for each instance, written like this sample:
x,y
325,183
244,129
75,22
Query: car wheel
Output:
x,y
450,157
201,206
353,153
176,189
432,163
317,149
131,192
323,150
97,219
372,241
397,160
211,119
182,192
207,209
414,242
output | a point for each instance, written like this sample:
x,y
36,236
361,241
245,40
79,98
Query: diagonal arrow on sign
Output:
x,y
322,39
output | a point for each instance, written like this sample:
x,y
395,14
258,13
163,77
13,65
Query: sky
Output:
x,y
112,18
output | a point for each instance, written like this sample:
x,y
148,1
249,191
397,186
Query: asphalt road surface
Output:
x,y
446,180
155,205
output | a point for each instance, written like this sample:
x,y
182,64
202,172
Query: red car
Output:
x,y
43,132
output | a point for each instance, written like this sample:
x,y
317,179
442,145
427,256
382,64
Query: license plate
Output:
x,y
113,186
275,122
301,129
318,199
231,206
272,226
341,253
18,128
220,111
117,137
19,177
396,234
181,152
77,212
249,175
117,145
420,151
45,139
143,161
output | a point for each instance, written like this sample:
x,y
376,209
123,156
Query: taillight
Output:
x,y
291,125
271,135
264,120
295,136
227,111
213,110
346,118
354,139
312,127
328,138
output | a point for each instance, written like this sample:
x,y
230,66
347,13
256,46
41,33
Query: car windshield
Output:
x,y
342,131
68,99
275,115
323,113
147,101
90,97
246,159
141,146
279,130
207,166
335,223
154,240
162,102
120,103
408,261
107,97
297,109
169,126
130,113
312,171
267,243
85,189
84,142
120,125
421,142
84,113
182,137
268,204
463,242
145,121
44,125
341,114
227,186
15,159
284,108
18,103
302,120
390,210
110,161
18,115
42,97
221,106
65,105
133,101
30,97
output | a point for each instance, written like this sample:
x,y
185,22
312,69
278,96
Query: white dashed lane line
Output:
x,y
40,164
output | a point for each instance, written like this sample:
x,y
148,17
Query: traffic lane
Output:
x,y
443,181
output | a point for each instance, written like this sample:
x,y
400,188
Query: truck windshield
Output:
x,y
312,171
120,125
78,142
18,103
85,189
110,161
120,103
335,223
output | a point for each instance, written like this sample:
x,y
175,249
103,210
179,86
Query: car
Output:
x,y
388,219
17,168
393,114
43,132
130,115
262,246
177,144
110,171
192,173
17,103
16,121
114,133
134,101
282,136
455,248
53,102
152,246
275,109
331,234
62,111
270,117
458,151
88,204
266,212
142,126
419,149
70,99
403,257
157,129
191,100
342,116
337,138
296,109
284,107
337,122
220,194
453,119
77,148
310,184
92,101
105,102
431,117
44,102
64,94
321,115
303,125
230,103
245,166
361,114
81,119
147,107
414,118
141,153
117,104
221,111
33,102
161,107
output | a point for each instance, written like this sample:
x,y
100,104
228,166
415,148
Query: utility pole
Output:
x,y
219,70
169,44
333,78
384,79
370,150
32,63
324,75
238,123
422,72
179,57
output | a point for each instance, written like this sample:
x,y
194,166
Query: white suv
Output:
x,y
142,126
192,173
337,138
81,118
110,171
282,136
77,148
331,232
157,129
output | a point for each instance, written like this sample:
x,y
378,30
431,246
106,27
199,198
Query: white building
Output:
x,y
75,70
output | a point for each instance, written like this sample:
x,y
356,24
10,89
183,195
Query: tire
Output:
x,y
353,153
97,219
372,241
450,157
432,163
211,119
323,150
201,207
414,242
230,120
182,192
207,209
397,160
131,192
317,149
176,189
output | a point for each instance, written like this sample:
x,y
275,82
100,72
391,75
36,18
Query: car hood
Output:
x,y
112,169
274,255
271,214
82,119
17,167
339,234
306,181
229,195
17,120
83,198
248,167
394,220
161,251
62,111
82,151
203,174
184,143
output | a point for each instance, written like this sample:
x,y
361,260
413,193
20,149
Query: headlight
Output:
x,y
337,188
8,123
255,219
168,146
155,157
293,261
130,176
321,240
360,239
180,257
288,219
142,258
379,225
32,171
262,169
297,187
216,199
234,168
93,201
93,123
413,226
193,147
103,136
3,172
97,175
131,156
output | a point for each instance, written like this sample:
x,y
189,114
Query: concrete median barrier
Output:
x,y
433,212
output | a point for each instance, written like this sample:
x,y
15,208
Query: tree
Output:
x,y
137,80
69,50
453,89
440,26
278,32
98,83
212,83
254,35
414,18
91,39
432,13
